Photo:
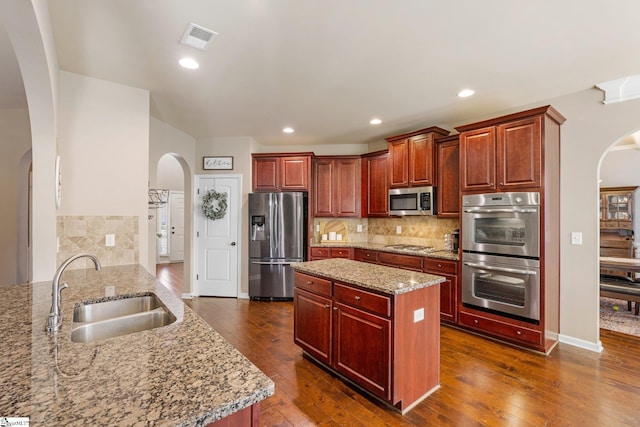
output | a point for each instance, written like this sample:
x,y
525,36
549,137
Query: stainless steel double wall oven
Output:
x,y
501,254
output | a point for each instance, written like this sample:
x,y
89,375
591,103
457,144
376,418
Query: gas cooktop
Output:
x,y
414,248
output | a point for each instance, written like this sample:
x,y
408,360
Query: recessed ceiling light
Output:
x,y
375,121
287,130
189,63
464,93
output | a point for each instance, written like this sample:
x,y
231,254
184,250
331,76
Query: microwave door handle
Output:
x,y
502,269
480,210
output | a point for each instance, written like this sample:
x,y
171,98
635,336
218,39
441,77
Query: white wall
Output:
x,y
170,175
15,143
28,26
165,139
103,141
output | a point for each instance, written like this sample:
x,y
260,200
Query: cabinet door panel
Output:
x,y
377,183
421,160
265,174
448,159
362,349
294,173
399,163
478,160
408,262
323,171
312,324
347,188
519,154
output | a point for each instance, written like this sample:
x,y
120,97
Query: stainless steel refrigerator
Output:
x,y
277,237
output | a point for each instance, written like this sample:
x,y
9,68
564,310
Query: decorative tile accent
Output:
x,y
416,230
87,234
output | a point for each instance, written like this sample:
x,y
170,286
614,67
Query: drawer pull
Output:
x,y
357,298
519,332
327,306
475,321
309,283
335,308
439,265
368,255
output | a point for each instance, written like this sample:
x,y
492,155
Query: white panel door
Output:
x,y
176,226
217,240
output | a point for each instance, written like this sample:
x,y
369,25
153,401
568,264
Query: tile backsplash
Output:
x,y
414,230
87,234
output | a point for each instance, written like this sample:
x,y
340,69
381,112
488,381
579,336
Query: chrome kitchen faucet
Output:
x,y
55,315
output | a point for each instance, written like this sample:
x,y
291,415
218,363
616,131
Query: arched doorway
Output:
x,y
619,226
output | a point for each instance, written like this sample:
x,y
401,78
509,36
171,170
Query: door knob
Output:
x,y
233,243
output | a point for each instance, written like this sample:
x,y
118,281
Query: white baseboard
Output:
x,y
576,342
243,296
187,296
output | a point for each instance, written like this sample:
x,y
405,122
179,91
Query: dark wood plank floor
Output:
x,y
482,382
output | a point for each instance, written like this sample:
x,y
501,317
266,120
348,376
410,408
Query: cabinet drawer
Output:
x,y
374,303
312,283
320,253
501,329
625,225
340,253
436,266
366,255
408,262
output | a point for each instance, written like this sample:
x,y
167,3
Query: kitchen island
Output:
x,y
182,374
377,327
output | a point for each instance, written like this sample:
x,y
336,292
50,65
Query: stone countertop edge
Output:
x,y
182,374
388,280
438,253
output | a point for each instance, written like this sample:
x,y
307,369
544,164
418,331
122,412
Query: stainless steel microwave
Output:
x,y
412,201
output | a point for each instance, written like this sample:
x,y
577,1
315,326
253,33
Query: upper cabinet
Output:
x,y
375,184
276,172
411,158
507,153
616,207
448,166
336,186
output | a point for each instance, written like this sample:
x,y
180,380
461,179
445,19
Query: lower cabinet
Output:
x,y
369,338
508,330
448,289
329,252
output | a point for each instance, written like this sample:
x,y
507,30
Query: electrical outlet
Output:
x,y
399,229
359,228
318,228
418,315
109,291
110,240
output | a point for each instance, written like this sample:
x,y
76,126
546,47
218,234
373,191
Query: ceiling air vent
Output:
x,y
197,36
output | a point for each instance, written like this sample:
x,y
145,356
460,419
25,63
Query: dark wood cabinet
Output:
x,y
365,255
407,262
519,152
374,341
329,252
507,154
336,186
274,173
412,158
448,165
448,289
375,184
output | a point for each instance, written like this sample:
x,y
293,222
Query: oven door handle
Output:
x,y
482,210
502,269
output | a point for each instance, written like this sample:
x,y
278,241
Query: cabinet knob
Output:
x,y
309,283
475,321
519,332
327,306
368,255
439,265
502,184
335,308
357,298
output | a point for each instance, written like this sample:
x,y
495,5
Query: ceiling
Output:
x,y
327,67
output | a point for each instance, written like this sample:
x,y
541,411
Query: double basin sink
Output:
x,y
119,316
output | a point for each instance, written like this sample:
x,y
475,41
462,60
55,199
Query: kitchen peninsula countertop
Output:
x,y
437,253
183,374
388,280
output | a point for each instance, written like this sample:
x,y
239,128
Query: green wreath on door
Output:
x,y
214,204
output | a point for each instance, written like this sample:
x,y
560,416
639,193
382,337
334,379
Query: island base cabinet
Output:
x,y
363,349
247,417
312,324
387,345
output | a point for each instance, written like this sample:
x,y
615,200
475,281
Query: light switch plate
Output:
x,y
576,238
110,240
359,228
399,229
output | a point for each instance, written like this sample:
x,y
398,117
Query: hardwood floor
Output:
x,y
482,382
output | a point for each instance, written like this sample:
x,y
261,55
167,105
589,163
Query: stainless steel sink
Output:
x,y
117,317
115,308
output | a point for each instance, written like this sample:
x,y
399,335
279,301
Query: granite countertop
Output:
x,y
183,374
388,280
438,253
